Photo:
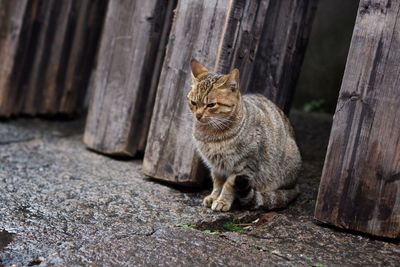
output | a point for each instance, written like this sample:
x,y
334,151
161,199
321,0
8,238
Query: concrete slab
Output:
x,y
63,205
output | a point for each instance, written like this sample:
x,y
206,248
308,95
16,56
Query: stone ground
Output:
x,y
63,205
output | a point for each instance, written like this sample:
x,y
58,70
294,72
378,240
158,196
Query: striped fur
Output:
x,y
246,141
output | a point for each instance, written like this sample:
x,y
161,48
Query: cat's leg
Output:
x,y
276,199
251,198
227,196
218,182
243,190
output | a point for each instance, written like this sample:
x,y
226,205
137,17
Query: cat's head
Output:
x,y
213,97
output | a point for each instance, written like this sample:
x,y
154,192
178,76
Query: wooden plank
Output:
x,y
130,57
45,61
55,54
241,38
360,184
80,59
26,47
11,20
196,32
281,50
223,34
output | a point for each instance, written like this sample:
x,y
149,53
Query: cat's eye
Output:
x,y
193,103
210,105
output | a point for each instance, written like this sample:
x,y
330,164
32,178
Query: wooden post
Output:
x,y
196,32
125,81
54,53
360,184
268,46
223,35
11,20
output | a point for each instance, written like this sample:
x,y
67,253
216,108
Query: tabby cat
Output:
x,y
246,141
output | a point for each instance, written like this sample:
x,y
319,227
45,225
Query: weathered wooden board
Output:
x,y
241,39
124,85
11,20
55,52
196,32
280,54
223,35
360,184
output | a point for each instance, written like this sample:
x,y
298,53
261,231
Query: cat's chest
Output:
x,y
221,155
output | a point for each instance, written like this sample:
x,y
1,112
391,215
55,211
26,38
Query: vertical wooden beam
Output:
x,y
196,32
279,57
130,58
54,56
11,20
223,35
360,184
242,36
39,81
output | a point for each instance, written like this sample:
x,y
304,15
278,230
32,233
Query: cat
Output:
x,y
245,140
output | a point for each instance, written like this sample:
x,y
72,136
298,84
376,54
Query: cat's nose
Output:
x,y
198,116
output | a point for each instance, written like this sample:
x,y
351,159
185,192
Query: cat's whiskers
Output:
x,y
225,122
222,119
219,123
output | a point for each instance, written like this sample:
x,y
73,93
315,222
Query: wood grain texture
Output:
x,y
242,36
125,80
280,54
196,32
11,20
360,184
222,35
54,56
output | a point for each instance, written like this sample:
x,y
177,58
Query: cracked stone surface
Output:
x,y
63,205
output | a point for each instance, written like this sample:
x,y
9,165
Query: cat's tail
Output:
x,y
253,199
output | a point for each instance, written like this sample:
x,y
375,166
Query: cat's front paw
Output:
x,y
220,205
208,201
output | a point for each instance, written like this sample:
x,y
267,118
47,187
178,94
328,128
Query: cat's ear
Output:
x,y
197,69
231,80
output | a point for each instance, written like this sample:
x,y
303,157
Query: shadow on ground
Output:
x,y
63,205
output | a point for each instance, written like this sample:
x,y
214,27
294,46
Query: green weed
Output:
x,y
185,225
313,105
233,227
